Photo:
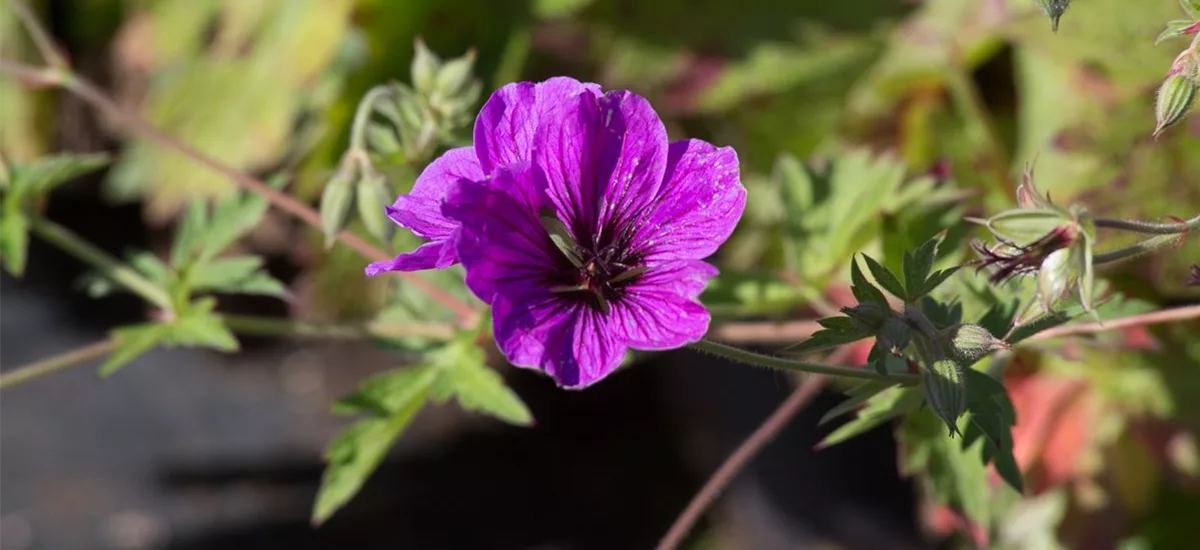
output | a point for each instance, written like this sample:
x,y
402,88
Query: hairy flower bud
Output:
x,y
373,197
969,343
1053,9
1175,98
336,201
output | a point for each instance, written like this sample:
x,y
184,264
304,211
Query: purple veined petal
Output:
x,y
698,206
506,126
432,255
631,156
421,209
501,241
686,278
563,157
656,318
568,341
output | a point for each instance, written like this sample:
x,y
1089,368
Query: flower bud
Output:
x,y
1055,278
372,199
336,201
455,74
1053,9
969,343
945,390
1175,97
425,67
1028,195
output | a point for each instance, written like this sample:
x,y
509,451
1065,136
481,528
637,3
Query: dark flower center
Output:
x,y
601,278
596,272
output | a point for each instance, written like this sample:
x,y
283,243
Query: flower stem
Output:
x,y
54,364
358,130
751,358
1137,249
1151,228
108,266
245,324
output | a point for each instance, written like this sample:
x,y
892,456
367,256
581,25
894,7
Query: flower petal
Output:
x,y
421,209
632,156
432,255
660,310
567,340
698,206
501,240
508,122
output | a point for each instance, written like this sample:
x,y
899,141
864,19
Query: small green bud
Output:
x,y
373,198
969,343
382,138
455,75
336,200
1053,9
945,390
1175,97
425,67
1055,277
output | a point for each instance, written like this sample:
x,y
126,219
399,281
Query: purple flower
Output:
x,y
581,226
503,136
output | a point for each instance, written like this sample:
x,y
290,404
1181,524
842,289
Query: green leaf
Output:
x,y
388,393
936,280
237,275
839,331
234,217
44,174
956,474
864,291
149,265
918,264
14,236
856,396
200,328
133,342
886,278
880,408
190,234
481,389
355,453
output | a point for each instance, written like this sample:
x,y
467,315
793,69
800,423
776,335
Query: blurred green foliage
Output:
x,y
863,126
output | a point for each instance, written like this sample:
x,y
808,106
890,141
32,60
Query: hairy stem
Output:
x,y
1151,228
51,365
362,116
1138,249
107,265
751,358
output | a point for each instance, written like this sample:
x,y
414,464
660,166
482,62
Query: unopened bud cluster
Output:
x,y
402,123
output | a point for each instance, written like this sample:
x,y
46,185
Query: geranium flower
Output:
x,y
588,232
